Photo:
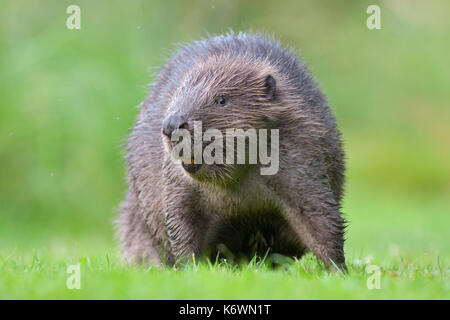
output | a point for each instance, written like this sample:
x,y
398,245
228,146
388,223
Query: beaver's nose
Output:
x,y
173,122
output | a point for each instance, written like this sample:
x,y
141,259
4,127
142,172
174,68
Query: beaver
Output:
x,y
174,210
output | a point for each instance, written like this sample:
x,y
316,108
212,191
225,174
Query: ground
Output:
x,y
411,252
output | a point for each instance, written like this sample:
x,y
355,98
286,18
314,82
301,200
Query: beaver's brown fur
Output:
x,y
170,213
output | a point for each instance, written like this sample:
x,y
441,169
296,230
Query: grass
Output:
x,y
67,99
104,277
412,255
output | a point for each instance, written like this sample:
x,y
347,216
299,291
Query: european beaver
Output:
x,y
173,210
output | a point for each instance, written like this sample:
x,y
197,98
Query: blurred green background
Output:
x,y
69,97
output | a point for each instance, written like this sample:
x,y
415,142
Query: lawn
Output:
x,y
411,252
68,97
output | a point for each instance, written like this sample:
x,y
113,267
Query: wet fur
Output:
x,y
169,215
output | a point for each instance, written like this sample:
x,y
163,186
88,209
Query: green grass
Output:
x,y
67,100
411,252
42,275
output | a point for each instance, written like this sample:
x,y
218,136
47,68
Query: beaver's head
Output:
x,y
219,94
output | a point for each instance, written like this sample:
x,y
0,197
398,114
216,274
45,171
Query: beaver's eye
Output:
x,y
221,101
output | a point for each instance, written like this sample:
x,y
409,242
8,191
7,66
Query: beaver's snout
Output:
x,y
173,122
190,167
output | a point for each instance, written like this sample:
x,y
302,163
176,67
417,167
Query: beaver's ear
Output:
x,y
270,87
